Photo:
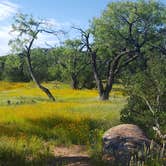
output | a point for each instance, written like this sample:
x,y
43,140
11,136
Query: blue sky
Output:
x,y
79,11
63,13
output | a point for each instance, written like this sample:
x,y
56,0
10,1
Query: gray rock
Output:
x,y
122,142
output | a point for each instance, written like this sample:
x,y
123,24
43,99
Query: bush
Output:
x,y
14,69
147,97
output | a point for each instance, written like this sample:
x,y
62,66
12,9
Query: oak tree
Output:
x,y
124,32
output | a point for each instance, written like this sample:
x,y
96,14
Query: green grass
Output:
x,y
31,126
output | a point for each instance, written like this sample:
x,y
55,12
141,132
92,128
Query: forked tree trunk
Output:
x,y
103,91
114,66
44,89
104,94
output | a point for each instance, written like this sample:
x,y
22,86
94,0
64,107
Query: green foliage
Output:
x,y
112,29
127,25
14,69
27,28
69,64
147,91
86,78
2,65
40,64
48,65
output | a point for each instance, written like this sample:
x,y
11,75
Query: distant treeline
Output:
x,y
49,65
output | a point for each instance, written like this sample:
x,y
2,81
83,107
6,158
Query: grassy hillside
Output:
x,y
31,126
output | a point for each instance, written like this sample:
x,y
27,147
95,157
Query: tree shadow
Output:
x,y
75,160
45,129
11,157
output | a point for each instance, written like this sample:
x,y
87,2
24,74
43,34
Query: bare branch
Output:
x,y
160,48
126,63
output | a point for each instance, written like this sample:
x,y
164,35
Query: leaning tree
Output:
x,y
124,32
27,30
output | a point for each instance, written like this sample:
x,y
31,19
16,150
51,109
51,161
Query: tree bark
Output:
x,y
44,89
104,95
103,91
96,75
74,82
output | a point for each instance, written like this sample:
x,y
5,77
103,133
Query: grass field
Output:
x,y
31,126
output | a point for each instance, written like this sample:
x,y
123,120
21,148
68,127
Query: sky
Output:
x,y
62,13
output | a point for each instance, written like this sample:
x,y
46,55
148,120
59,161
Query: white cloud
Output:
x,y
51,22
46,40
4,39
7,9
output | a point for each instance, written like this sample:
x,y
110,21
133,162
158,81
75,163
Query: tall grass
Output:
x,y
31,126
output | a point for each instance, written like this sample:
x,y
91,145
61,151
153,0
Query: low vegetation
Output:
x,y
31,125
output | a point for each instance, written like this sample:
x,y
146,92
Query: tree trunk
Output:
x,y
104,95
45,90
74,83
